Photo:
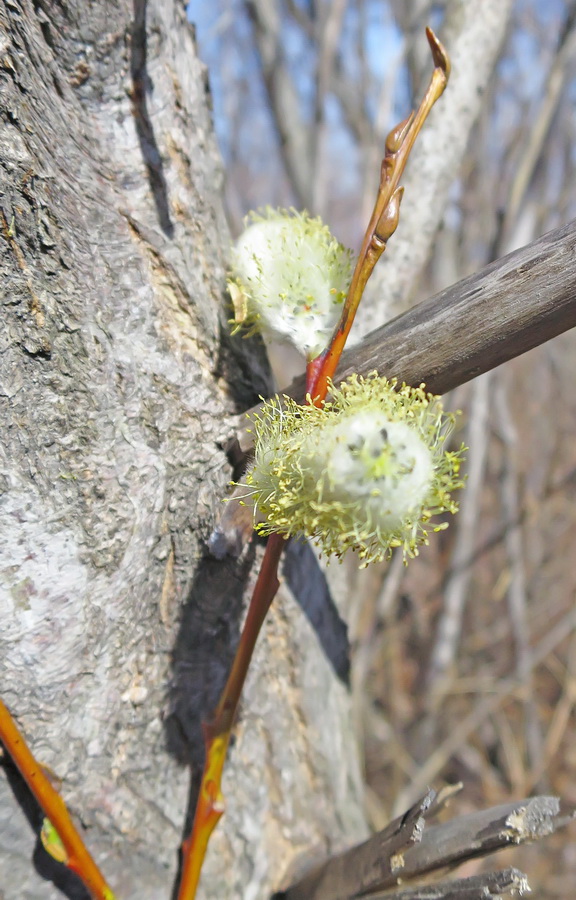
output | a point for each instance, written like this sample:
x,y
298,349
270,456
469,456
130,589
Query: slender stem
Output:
x,y
210,804
78,857
383,222
217,732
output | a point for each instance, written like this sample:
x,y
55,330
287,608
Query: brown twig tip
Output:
x,y
384,219
439,54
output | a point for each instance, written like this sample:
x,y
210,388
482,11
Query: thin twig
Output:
x,y
537,131
385,215
487,886
562,713
517,592
486,707
293,135
448,631
78,858
328,33
474,33
210,803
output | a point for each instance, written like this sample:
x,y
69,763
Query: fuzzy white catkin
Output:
x,y
369,458
293,276
367,472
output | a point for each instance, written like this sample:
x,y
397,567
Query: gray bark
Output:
x,y
118,392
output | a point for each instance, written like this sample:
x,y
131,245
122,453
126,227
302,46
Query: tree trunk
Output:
x,y
119,389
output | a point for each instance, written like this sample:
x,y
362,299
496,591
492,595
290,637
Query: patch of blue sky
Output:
x,y
370,47
300,54
343,150
229,61
524,66
383,40
545,13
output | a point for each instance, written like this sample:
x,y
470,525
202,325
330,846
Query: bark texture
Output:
x,y
118,391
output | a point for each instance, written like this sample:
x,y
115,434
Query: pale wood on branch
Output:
x,y
409,850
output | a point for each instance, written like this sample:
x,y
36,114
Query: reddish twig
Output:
x,y
383,222
210,803
77,856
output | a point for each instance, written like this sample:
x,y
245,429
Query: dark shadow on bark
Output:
x,y
243,364
209,625
141,85
202,657
47,868
203,651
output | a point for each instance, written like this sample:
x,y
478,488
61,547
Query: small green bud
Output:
x,y
366,472
52,842
289,278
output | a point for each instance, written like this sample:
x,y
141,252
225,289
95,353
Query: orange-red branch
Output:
x,y
210,804
78,857
217,732
383,222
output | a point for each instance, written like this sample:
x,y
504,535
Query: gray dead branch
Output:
x,y
391,862
509,882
